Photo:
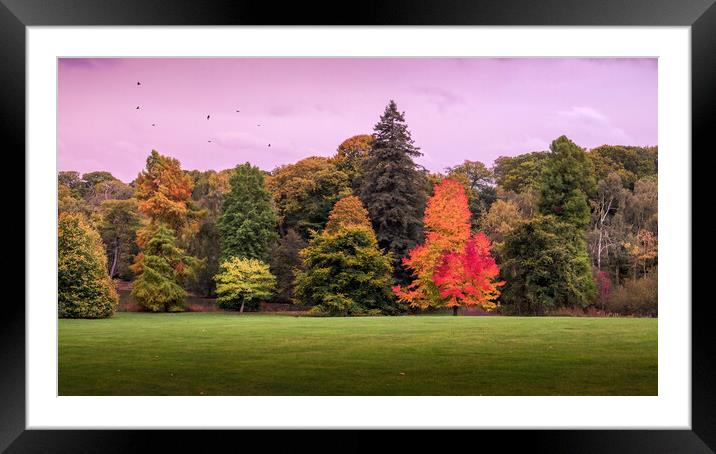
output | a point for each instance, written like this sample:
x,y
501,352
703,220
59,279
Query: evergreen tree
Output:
x,y
162,268
84,288
348,211
247,225
392,188
344,271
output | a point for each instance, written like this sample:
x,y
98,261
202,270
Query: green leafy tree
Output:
x,y
71,180
100,186
546,266
642,205
519,173
210,187
546,263
205,245
304,193
479,187
120,222
344,272
247,225
350,155
630,163
84,288
500,220
243,282
284,260
68,201
162,271
392,188
567,181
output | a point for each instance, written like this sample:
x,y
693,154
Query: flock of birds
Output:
x,y
207,117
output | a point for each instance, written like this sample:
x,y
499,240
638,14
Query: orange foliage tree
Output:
x,y
468,278
163,193
447,229
348,212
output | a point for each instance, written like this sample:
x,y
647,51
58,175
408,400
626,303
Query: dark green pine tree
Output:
x,y
393,189
247,225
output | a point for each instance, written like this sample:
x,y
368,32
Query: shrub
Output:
x,y
636,297
84,287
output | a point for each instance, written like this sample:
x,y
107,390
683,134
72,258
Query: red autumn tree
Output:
x,y
447,229
467,278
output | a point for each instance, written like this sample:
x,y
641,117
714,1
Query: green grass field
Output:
x,y
231,354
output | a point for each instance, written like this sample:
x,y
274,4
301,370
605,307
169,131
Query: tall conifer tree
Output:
x,y
392,188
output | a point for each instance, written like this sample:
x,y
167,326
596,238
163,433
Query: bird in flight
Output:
x,y
139,83
153,124
238,111
269,145
209,141
137,107
207,117
258,125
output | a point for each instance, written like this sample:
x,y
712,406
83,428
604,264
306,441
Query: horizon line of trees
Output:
x,y
368,231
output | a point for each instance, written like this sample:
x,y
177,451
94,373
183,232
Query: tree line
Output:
x,y
368,231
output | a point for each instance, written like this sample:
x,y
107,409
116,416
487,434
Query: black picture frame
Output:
x,y
700,15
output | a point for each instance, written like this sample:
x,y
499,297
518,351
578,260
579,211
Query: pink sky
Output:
x,y
456,109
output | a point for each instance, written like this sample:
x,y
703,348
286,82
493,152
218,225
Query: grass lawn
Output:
x,y
231,354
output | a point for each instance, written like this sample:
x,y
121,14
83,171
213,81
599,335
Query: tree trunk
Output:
x,y
242,308
599,251
454,310
114,260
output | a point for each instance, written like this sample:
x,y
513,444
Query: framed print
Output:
x,y
441,216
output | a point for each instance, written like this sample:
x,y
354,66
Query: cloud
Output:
x,y
584,113
282,111
255,146
441,97
240,140
589,127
